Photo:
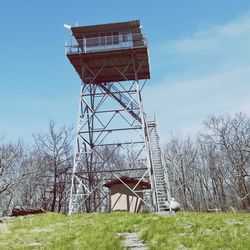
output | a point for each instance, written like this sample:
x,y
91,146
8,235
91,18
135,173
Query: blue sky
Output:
x,y
199,55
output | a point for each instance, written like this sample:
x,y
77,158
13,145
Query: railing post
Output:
x,y
84,44
66,47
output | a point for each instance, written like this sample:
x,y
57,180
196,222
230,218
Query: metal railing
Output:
x,y
102,43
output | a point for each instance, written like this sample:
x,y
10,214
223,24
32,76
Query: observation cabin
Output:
x,y
109,52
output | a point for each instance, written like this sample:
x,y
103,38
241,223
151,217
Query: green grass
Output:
x,y
98,231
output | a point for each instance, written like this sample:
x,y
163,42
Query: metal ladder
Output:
x,y
159,169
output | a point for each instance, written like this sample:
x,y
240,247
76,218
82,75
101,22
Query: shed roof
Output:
x,y
127,180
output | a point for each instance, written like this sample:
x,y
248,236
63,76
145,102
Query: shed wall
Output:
x,y
123,199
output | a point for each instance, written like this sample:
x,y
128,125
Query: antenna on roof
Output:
x,y
66,26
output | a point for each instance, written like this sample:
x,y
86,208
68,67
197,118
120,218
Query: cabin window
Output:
x,y
125,37
102,39
115,38
109,39
92,41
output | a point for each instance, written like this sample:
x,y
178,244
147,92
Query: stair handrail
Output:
x,y
151,156
164,165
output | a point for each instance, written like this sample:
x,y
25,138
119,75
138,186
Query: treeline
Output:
x,y
210,171
40,176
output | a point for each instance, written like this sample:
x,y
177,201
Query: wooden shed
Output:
x,y
126,194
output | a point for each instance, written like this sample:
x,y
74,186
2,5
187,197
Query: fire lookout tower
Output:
x,y
114,137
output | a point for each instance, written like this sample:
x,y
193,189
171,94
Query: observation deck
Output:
x,y
109,52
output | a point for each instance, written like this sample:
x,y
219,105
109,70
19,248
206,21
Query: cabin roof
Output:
x,y
134,24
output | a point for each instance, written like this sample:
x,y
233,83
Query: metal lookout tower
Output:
x,y
114,137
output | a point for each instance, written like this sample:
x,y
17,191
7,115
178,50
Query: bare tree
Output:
x,y
13,170
231,136
54,161
181,160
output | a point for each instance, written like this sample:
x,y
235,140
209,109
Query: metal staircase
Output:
x,y
159,169
125,100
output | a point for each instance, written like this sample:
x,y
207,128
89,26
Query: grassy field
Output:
x,y
98,231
